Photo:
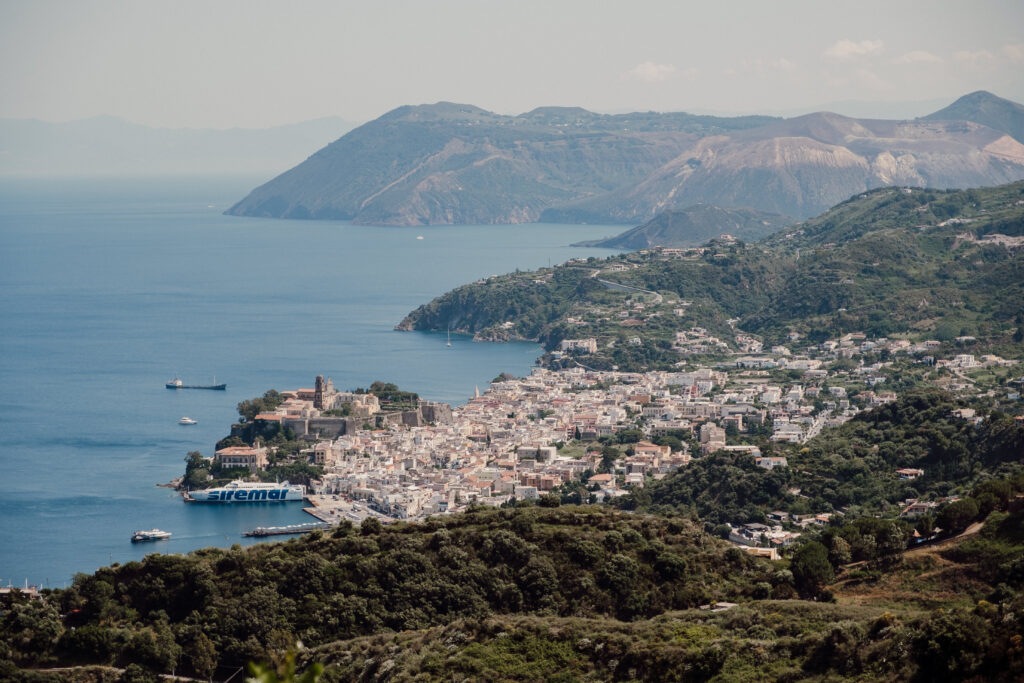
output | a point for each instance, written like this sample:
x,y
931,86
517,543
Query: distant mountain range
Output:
x,y
106,145
694,225
451,163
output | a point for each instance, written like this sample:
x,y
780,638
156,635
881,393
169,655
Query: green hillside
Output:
x,y
695,225
850,468
918,263
531,594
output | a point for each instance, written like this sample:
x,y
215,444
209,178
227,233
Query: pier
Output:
x,y
286,530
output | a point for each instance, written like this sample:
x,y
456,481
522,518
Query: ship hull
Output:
x,y
274,493
214,387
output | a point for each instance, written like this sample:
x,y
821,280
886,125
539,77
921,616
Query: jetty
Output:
x,y
285,530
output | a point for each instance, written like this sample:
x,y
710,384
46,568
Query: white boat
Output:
x,y
240,491
187,421
150,535
449,336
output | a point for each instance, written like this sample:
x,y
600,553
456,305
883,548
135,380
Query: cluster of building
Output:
x,y
511,442
504,444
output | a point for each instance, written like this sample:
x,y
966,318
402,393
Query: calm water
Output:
x,y
110,289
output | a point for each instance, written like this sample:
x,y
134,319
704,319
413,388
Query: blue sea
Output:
x,y
110,288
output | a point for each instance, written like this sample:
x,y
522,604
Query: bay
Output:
x,y
109,288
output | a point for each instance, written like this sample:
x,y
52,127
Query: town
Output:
x,y
600,432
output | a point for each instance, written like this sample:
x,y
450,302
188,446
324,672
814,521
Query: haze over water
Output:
x,y
108,289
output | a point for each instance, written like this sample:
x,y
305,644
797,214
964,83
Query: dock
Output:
x,y
285,530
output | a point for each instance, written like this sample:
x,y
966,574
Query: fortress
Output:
x,y
303,411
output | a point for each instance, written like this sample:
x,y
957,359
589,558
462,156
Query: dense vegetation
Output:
x,y
695,225
230,606
769,640
529,594
884,262
851,467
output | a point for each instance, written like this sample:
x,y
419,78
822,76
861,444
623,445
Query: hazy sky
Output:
x,y
253,63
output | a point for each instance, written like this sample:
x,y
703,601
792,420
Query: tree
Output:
x,y
284,672
197,470
956,516
370,525
811,568
839,551
549,500
249,409
202,655
609,454
925,525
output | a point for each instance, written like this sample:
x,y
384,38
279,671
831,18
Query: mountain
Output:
x,y
927,264
694,225
106,145
985,108
452,163
802,166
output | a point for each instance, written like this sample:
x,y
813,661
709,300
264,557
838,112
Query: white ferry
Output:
x,y
150,535
240,491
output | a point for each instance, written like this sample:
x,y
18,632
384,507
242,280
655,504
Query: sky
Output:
x,y
255,63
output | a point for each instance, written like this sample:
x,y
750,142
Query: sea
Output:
x,y
109,288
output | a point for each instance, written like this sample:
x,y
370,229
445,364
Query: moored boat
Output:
x,y
150,535
239,491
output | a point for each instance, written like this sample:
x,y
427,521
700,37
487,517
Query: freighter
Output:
x,y
178,384
240,491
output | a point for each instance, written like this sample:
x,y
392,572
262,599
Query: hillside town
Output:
x,y
526,437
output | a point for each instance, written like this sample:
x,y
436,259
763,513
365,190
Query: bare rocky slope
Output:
x,y
452,163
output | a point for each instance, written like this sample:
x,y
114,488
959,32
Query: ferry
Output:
x,y
151,535
240,491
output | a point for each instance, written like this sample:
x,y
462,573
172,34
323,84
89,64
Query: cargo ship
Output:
x,y
178,384
240,491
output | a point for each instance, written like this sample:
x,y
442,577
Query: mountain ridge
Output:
x,y
983,107
450,163
694,225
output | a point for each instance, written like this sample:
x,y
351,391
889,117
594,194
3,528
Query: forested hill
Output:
x,y
924,263
694,225
453,163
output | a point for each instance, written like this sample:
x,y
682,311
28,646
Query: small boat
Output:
x,y
178,384
187,421
449,336
151,535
